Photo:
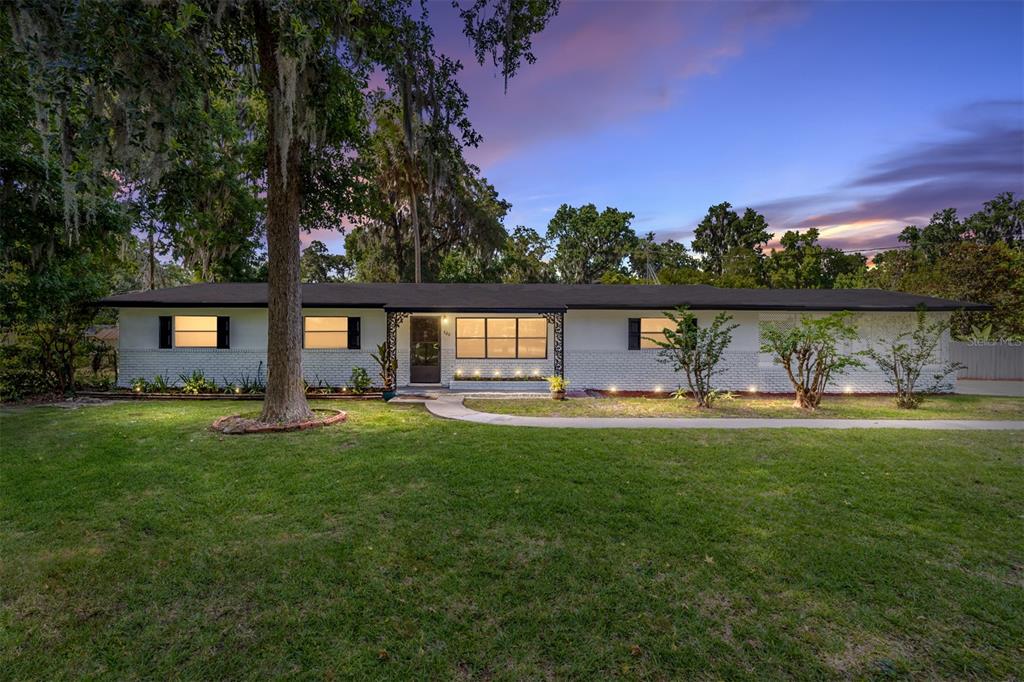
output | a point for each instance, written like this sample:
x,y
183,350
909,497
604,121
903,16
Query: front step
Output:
x,y
530,386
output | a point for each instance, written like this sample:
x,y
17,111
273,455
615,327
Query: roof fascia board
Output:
x,y
471,309
197,304
805,308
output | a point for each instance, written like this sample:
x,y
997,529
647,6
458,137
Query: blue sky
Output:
x,y
854,117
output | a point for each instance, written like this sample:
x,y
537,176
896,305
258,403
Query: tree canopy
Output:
x,y
723,230
1000,220
320,265
129,89
803,263
590,243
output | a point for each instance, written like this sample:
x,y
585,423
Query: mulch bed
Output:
x,y
131,395
744,395
237,424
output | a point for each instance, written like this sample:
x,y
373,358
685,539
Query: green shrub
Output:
x,y
903,358
18,382
359,380
99,381
811,353
20,377
696,351
197,383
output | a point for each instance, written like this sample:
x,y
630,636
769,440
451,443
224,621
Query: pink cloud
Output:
x,y
976,158
333,238
594,66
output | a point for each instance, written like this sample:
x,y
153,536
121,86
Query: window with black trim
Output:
x,y
324,332
501,337
195,331
652,329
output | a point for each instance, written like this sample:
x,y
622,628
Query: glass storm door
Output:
x,y
425,337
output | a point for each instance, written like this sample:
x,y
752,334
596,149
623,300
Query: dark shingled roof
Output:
x,y
535,297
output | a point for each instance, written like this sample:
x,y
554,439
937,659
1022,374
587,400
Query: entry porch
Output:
x,y
474,349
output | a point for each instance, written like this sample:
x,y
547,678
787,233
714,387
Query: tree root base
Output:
x,y
237,424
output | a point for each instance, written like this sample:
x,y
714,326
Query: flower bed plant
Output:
x,y
197,385
557,385
232,392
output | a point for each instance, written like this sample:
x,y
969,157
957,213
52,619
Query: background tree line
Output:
x,y
978,258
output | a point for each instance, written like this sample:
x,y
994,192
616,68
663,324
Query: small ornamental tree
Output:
x,y
904,357
696,350
810,354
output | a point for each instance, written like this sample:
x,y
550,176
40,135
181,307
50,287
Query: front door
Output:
x,y
425,336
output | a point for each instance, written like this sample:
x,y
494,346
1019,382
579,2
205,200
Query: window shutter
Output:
x,y
223,332
634,333
353,333
164,339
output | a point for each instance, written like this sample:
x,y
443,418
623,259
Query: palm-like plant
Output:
x,y
388,364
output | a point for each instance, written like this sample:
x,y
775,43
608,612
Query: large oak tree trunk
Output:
x,y
416,247
399,256
152,258
286,397
410,161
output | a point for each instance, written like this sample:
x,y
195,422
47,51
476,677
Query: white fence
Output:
x,y
989,360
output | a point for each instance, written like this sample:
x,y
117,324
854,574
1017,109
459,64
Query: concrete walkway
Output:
x,y
1009,388
451,407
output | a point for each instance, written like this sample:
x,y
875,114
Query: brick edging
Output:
x,y
219,424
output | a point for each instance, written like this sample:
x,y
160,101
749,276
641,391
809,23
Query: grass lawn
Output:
x,y
136,543
832,407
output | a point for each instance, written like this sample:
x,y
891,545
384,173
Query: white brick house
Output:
x,y
453,334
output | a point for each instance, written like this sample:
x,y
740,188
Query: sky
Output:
x,y
853,117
